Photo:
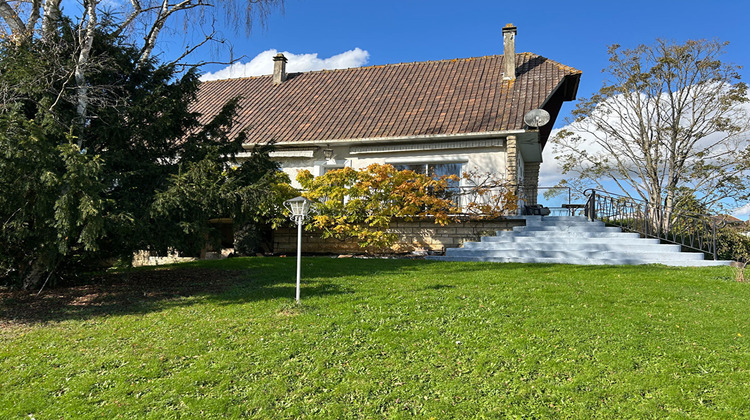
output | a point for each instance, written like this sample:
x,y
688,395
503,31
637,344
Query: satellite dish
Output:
x,y
536,118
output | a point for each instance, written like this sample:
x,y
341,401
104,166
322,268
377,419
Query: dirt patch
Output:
x,y
110,294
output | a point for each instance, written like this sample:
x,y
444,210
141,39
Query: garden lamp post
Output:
x,y
298,207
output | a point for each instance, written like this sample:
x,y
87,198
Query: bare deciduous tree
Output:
x,y
669,117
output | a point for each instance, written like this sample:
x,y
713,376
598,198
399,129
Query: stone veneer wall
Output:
x,y
413,236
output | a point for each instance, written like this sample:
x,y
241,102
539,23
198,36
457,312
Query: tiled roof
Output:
x,y
397,100
728,218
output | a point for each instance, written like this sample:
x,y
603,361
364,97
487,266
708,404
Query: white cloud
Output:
x,y
263,64
742,212
550,172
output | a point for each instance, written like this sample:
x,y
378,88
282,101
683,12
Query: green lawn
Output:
x,y
382,338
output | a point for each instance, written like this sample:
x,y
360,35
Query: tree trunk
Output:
x,y
50,18
86,39
33,278
668,209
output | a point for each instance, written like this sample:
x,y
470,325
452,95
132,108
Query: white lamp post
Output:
x,y
298,207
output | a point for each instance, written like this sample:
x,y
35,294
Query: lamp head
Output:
x,y
298,206
329,156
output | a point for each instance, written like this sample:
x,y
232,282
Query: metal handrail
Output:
x,y
693,231
492,195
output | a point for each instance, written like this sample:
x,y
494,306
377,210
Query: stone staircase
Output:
x,y
573,240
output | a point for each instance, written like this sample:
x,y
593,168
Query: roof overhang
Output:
x,y
565,91
399,139
570,89
527,143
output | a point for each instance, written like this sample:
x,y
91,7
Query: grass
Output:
x,y
382,338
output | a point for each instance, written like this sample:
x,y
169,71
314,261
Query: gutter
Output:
x,y
417,138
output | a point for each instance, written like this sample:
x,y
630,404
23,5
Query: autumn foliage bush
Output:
x,y
362,203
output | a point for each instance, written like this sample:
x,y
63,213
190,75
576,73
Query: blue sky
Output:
x,y
574,33
339,33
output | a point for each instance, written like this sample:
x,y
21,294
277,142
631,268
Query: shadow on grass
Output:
x,y
439,286
236,280
145,290
137,291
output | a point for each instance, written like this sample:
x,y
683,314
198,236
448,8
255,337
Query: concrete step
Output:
x,y
562,241
618,261
573,240
569,228
601,245
565,234
574,255
583,224
555,219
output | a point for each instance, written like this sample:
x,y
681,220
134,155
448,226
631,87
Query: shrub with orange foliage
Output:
x,y
362,203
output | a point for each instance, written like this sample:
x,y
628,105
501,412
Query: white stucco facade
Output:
x,y
486,154
482,156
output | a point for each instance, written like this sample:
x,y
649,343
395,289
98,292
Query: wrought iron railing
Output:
x,y
472,200
564,209
693,231
482,200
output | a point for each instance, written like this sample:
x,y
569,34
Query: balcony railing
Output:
x,y
482,201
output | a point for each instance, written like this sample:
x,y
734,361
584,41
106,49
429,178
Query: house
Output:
x,y
727,220
439,117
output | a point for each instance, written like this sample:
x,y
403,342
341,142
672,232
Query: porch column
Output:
x,y
511,161
531,182
511,167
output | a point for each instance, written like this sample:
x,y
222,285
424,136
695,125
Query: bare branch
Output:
x,y
34,16
62,90
137,10
190,50
164,13
668,117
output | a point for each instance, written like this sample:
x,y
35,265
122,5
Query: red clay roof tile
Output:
x,y
398,100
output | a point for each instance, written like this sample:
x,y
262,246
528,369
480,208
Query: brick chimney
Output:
x,y
509,52
279,69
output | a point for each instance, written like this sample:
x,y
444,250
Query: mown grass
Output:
x,y
396,339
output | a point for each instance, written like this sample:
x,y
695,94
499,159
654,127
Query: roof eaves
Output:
x,y
428,137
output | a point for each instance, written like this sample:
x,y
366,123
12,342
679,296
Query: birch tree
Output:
x,y
669,117
143,21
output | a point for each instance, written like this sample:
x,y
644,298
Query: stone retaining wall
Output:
x,y
144,258
413,236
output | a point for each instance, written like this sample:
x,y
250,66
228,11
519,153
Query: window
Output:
x,y
328,168
435,170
